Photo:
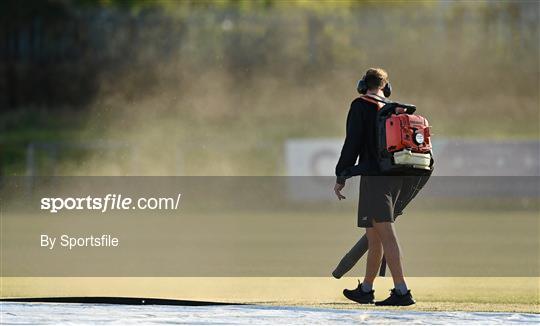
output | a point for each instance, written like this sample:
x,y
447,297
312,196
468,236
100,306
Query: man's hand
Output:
x,y
337,189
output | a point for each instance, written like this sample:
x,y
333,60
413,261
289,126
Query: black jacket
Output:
x,y
360,140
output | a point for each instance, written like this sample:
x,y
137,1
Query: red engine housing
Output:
x,y
402,132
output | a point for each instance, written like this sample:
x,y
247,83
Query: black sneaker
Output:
x,y
359,296
396,299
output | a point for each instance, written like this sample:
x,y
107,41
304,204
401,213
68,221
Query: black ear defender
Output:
x,y
387,90
361,87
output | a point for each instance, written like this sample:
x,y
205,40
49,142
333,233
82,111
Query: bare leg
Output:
x,y
375,252
387,235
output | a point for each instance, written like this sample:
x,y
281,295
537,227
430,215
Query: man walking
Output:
x,y
378,193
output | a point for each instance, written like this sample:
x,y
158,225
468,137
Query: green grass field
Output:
x,y
305,243
509,294
483,244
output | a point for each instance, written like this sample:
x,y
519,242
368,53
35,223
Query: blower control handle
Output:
x,y
409,108
395,107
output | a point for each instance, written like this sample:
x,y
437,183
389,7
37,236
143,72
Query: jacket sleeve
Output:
x,y
352,145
